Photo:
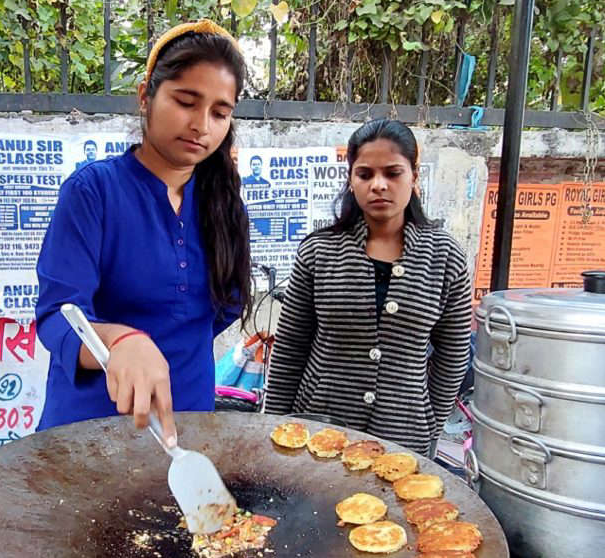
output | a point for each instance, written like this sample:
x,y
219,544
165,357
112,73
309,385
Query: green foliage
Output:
x,y
354,38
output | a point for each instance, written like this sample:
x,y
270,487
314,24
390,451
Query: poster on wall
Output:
x,y
23,369
32,169
276,192
425,183
552,245
31,172
326,181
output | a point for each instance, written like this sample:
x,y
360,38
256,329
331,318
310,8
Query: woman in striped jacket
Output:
x,y
366,298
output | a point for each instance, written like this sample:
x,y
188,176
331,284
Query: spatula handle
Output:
x,y
80,324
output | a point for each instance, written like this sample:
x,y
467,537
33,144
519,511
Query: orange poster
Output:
x,y
551,244
579,246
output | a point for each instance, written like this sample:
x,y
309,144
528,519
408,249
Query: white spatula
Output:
x,y
193,479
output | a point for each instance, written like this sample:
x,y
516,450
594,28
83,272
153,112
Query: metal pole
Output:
x,y
554,101
511,142
349,84
273,58
424,63
460,47
27,71
149,9
493,59
64,60
385,77
107,50
312,56
588,70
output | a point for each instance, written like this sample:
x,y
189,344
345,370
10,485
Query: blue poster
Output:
x,y
276,188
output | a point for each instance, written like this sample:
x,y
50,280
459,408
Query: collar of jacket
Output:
x,y
411,233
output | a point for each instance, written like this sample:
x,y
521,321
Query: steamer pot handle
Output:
x,y
524,438
510,390
471,466
509,317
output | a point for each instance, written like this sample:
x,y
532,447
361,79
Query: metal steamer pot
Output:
x,y
538,456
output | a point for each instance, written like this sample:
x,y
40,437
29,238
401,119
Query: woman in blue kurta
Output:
x,y
152,245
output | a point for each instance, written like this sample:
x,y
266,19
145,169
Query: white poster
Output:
x,y
276,191
425,183
23,370
326,181
32,169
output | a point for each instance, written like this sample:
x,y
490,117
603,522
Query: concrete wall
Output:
x,y
462,161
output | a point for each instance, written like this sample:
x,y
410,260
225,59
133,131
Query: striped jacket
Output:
x,y
331,357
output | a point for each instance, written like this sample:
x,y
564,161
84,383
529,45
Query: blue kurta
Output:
x,y
116,248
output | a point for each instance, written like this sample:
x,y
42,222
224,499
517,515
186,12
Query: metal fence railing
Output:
x,y
311,109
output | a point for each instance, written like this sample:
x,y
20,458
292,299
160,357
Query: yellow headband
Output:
x,y
201,26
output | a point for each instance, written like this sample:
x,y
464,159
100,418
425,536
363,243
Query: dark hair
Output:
x,y
404,139
256,157
225,226
91,142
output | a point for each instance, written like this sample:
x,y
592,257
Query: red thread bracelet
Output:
x,y
125,335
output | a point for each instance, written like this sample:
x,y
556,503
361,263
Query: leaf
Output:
x,y
552,44
412,45
243,8
341,25
225,2
81,69
171,9
393,42
436,16
423,14
376,21
279,11
352,36
368,8
8,82
86,52
23,13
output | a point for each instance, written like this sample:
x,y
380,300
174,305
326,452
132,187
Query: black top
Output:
x,y
382,271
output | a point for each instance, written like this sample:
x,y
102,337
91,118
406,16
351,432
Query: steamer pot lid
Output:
x,y
569,310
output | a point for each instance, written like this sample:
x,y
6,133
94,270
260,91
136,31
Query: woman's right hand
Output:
x,y
138,379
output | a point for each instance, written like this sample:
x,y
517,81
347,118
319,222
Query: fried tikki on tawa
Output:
x,y
379,537
327,443
361,455
361,508
291,435
427,511
450,535
415,487
394,466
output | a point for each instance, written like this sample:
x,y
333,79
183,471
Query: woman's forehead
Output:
x,y
205,79
383,149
